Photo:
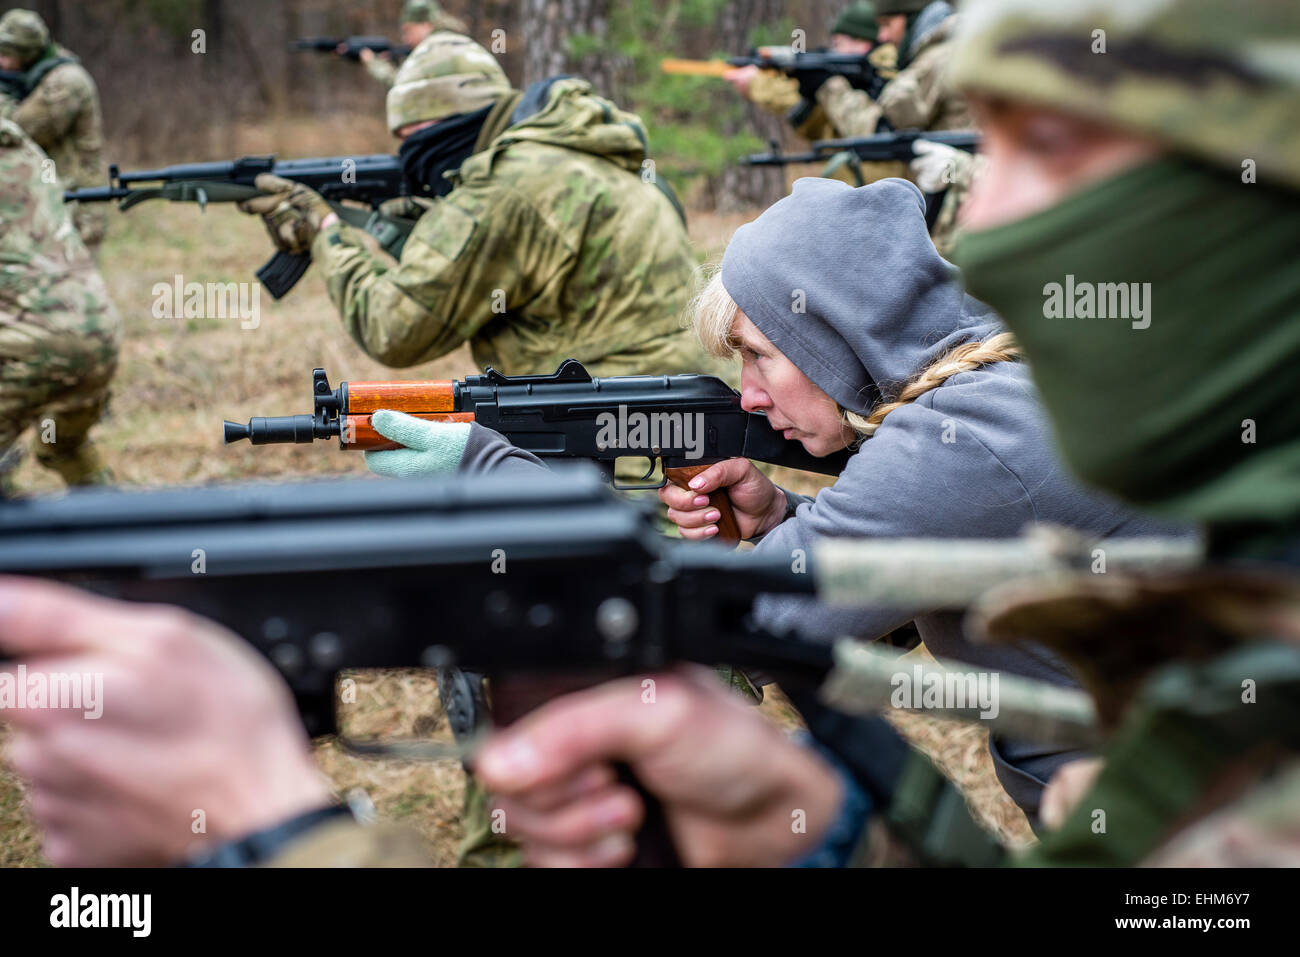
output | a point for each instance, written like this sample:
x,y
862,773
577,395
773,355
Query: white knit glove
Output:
x,y
938,166
431,448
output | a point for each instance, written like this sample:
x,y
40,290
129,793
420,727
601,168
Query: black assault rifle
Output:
x,y
546,587
879,147
368,179
683,422
351,47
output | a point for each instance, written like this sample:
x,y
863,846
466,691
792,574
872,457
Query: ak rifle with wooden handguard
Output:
x,y
857,68
686,422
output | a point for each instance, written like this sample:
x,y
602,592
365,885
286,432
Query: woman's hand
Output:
x,y
735,790
758,504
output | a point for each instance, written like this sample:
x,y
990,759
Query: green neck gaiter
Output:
x,y
1160,313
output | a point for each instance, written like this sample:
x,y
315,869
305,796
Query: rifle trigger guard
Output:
x,y
648,486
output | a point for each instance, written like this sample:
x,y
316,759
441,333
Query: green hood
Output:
x,y
564,111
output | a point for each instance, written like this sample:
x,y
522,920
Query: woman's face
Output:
x,y
1038,157
771,383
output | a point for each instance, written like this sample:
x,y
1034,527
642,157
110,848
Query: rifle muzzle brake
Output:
x,y
295,429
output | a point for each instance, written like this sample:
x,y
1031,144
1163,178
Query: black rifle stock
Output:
x,y
687,422
370,180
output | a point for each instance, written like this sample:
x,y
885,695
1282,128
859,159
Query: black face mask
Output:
x,y
439,149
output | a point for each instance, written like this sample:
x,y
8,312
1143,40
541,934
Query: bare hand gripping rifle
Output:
x,y
683,422
370,180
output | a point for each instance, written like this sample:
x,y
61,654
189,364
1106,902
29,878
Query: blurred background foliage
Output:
x,y
171,93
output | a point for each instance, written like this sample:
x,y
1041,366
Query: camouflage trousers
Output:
x,y
57,382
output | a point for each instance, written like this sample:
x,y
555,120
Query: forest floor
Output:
x,y
179,378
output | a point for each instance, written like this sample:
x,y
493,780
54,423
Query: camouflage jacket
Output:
x,y
62,115
918,98
552,243
52,298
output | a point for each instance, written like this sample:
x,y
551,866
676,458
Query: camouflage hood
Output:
x,y
563,111
1216,80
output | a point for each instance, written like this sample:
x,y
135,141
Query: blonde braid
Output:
x,y
964,358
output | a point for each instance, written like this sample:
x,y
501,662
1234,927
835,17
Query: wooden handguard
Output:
x,y
728,530
359,434
695,67
428,395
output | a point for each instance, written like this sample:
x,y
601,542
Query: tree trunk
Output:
x,y
738,187
548,27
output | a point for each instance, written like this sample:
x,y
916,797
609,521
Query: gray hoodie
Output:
x,y
972,458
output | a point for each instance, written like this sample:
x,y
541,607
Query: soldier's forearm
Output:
x,y
376,310
852,112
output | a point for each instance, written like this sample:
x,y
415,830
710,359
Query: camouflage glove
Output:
x,y
938,166
403,207
431,448
292,212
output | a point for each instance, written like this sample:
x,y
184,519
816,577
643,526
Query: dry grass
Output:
x,y
179,378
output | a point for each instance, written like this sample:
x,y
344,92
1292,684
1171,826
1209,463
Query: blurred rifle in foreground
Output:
x,y
370,180
329,576
351,47
684,423
854,67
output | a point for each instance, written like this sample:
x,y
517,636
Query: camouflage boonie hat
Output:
x,y
445,75
1213,78
23,34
